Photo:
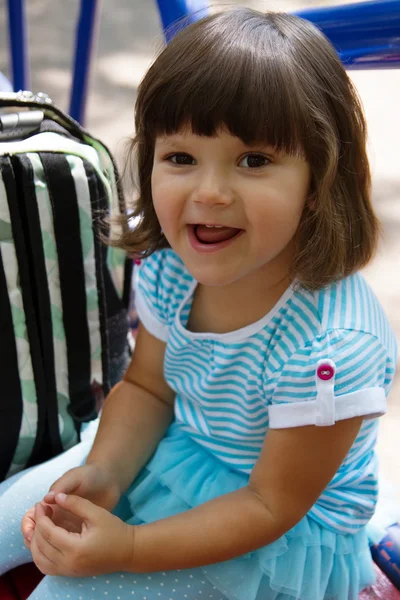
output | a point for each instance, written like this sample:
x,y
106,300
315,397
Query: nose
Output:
x,y
213,190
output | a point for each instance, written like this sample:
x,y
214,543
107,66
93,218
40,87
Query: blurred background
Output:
x,y
130,36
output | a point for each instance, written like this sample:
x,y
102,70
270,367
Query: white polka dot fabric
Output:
x,y
172,585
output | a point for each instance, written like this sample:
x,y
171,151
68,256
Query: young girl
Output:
x,y
247,418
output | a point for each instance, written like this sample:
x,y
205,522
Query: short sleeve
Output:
x,y
160,283
339,375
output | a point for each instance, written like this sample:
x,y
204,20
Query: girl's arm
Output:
x,y
136,413
294,468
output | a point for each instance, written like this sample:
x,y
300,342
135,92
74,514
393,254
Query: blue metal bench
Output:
x,y
366,35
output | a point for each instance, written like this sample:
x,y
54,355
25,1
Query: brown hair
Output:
x,y
273,78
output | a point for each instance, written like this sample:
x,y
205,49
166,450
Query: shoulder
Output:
x,y
342,362
161,282
163,270
343,325
347,309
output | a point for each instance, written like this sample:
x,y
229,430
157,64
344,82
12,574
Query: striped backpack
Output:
x,y
63,293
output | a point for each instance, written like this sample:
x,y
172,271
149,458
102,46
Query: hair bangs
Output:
x,y
239,84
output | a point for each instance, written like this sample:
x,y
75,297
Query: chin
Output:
x,y
211,276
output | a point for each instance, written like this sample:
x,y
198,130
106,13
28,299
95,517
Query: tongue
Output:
x,y
215,235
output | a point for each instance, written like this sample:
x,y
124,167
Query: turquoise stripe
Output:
x,y
299,396
227,356
363,299
191,392
342,321
282,346
373,355
249,453
260,424
321,302
286,331
363,378
298,385
353,304
240,347
297,327
312,325
174,281
195,417
228,411
223,431
332,299
351,356
305,300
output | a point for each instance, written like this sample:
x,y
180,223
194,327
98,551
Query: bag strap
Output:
x,y
65,214
33,231
10,422
19,222
127,289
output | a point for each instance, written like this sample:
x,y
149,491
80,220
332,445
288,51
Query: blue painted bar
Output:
x,y
86,35
172,11
365,34
18,45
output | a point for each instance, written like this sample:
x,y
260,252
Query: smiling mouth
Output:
x,y
214,234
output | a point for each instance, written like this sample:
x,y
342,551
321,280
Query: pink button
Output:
x,y
325,371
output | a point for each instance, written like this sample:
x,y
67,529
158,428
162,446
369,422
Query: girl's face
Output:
x,y
229,210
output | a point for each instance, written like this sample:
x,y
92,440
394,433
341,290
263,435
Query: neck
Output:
x,y
237,305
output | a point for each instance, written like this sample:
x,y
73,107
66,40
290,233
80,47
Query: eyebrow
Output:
x,y
170,141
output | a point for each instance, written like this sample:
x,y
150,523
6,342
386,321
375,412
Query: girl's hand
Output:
x,y
89,481
104,545
28,525
58,515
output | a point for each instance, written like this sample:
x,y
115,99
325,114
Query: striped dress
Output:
x,y
232,387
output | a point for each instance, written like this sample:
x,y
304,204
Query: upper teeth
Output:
x,y
214,226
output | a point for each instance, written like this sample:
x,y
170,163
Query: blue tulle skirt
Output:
x,y
308,563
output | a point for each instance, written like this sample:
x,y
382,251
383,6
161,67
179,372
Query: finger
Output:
x,y
80,507
66,484
49,497
43,563
28,523
27,526
48,511
28,531
43,510
54,536
44,539
27,542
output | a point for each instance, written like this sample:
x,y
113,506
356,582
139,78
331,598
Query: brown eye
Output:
x,y
181,159
254,161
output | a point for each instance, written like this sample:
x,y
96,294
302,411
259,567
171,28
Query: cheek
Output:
x,y
279,212
289,199
160,195
166,203
169,191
